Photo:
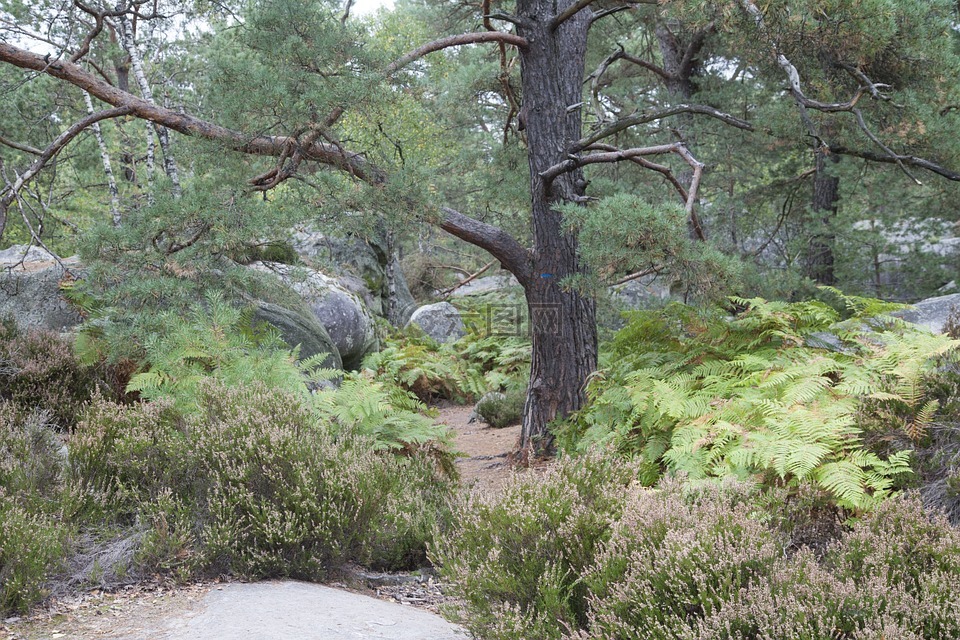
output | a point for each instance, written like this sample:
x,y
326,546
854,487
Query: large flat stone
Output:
x,y
282,610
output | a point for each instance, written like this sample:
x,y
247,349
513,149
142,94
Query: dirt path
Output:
x,y
486,451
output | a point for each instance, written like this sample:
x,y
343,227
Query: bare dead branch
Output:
x,y
620,155
470,278
644,118
12,190
908,160
638,274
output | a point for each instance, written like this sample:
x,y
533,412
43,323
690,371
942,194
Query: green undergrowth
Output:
x,y
776,392
461,371
227,455
583,551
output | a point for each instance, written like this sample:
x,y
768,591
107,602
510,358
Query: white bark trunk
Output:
x,y
151,152
107,167
136,65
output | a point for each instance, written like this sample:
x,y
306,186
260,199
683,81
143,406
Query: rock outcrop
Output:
x,y
300,329
441,321
344,316
30,292
931,313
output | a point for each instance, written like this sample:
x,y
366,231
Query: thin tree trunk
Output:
x,y
136,63
826,194
107,168
149,163
562,322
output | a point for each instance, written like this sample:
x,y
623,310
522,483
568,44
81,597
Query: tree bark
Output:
x,y
826,194
107,166
562,322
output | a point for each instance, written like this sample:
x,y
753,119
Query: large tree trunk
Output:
x,y
826,194
562,323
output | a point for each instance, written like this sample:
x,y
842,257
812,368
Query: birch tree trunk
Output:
x,y
136,65
107,167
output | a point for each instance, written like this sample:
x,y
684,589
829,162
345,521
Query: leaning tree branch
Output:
x,y
644,118
12,190
321,152
455,41
580,5
497,242
19,146
569,12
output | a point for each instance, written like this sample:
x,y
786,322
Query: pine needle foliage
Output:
x,y
755,395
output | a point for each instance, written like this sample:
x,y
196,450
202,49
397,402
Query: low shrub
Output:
x,y
31,460
502,409
31,548
581,553
39,371
32,532
515,560
253,484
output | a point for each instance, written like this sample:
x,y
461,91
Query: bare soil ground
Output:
x,y
131,612
485,460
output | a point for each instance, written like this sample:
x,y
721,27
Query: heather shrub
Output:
x,y
254,484
32,532
677,554
30,456
31,547
39,371
515,559
583,553
502,409
894,575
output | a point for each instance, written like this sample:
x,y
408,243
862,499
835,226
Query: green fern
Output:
x,y
698,392
216,340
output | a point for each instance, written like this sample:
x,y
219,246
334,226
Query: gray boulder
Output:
x,y
485,285
642,293
931,313
299,329
441,321
342,313
363,267
30,288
